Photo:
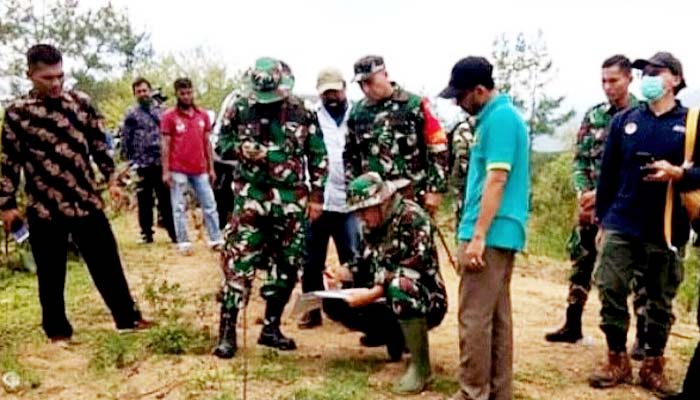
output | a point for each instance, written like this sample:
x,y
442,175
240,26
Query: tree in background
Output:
x,y
96,42
209,75
524,69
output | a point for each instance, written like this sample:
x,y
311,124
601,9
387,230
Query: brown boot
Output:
x,y
616,371
651,374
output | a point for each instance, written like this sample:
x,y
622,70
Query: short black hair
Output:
x,y
620,61
140,81
43,53
182,83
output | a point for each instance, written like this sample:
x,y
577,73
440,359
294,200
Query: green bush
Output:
x,y
178,339
114,350
552,208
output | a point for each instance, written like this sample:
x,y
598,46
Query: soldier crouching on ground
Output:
x,y
399,264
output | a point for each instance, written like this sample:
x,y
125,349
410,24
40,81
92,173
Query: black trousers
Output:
x,y
223,193
97,246
149,187
345,231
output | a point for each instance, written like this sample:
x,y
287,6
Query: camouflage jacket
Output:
x,y
590,142
397,138
286,133
403,247
460,140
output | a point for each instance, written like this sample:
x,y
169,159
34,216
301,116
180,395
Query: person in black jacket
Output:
x,y
642,166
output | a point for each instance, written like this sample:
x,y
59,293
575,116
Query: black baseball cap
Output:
x,y
663,59
468,73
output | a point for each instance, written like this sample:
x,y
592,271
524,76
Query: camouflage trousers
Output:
x,y
583,253
266,232
657,269
409,298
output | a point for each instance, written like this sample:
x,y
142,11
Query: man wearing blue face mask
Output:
x,y
644,151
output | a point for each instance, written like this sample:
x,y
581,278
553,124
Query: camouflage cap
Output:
x,y
268,81
369,190
366,66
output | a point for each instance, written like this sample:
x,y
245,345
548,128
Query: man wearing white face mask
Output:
x,y
644,151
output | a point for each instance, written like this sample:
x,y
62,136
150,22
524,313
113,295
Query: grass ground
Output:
x,y
172,361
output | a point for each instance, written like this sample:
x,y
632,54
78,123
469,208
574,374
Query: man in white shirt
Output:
x,y
336,221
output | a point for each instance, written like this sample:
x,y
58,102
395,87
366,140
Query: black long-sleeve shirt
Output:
x,y
53,140
624,201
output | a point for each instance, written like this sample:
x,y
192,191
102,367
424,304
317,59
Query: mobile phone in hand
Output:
x,y
643,159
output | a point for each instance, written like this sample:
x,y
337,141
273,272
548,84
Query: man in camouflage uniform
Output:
x,y
275,142
460,140
393,132
590,141
399,264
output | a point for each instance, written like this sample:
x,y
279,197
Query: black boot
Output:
x,y
227,334
571,331
271,335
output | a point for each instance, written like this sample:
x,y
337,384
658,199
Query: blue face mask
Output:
x,y
652,87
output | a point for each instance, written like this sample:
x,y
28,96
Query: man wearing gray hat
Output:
x,y
335,221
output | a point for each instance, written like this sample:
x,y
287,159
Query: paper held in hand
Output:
x,y
313,300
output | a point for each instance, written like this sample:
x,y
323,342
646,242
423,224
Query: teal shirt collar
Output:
x,y
494,103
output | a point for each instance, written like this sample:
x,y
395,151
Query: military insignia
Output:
x,y
631,128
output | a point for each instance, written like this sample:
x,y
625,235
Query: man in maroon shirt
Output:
x,y
187,158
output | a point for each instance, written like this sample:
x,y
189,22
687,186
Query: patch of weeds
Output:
x,y
687,350
223,396
176,338
173,336
307,394
114,350
345,379
545,376
444,385
9,363
165,300
523,396
210,380
275,367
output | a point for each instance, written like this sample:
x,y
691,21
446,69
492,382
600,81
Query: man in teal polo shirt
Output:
x,y
491,231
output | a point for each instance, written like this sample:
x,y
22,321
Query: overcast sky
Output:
x,y
421,40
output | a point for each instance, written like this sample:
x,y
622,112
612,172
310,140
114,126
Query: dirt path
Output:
x,y
542,371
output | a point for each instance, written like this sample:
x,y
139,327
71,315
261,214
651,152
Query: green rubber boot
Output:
x,y
415,379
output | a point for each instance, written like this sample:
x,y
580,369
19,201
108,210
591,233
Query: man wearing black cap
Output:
x,y
392,132
491,231
643,223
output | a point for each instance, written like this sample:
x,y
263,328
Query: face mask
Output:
x,y
653,87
